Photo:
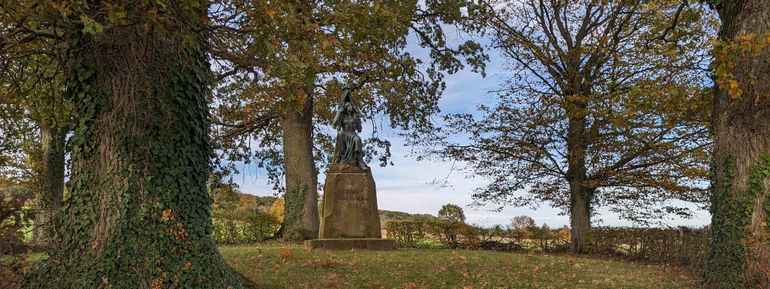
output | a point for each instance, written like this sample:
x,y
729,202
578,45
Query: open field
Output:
x,y
278,265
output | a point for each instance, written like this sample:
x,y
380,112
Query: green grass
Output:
x,y
278,265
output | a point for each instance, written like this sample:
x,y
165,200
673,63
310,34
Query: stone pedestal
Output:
x,y
349,215
349,207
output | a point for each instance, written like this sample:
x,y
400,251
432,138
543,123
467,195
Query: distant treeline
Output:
x,y
386,216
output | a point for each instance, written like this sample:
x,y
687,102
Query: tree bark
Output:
x,y
138,213
301,173
301,200
52,142
739,246
580,194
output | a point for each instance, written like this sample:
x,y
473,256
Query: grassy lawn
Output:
x,y
277,265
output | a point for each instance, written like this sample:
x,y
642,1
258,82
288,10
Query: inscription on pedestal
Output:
x,y
354,199
349,206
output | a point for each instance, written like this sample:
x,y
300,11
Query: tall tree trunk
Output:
x,y
580,194
138,213
739,246
51,181
301,201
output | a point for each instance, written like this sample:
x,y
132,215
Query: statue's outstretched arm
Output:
x,y
337,119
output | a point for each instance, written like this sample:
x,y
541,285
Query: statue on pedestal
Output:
x,y
347,121
349,215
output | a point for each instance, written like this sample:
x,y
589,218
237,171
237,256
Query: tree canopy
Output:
x,y
281,66
361,43
607,105
451,213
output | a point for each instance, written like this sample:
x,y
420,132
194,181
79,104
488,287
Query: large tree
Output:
x,y
137,214
283,63
739,246
605,108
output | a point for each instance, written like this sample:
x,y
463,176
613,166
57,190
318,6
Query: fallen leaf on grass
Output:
x,y
461,258
333,278
286,254
538,267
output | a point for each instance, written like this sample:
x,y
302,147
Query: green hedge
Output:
x,y
419,233
674,246
253,227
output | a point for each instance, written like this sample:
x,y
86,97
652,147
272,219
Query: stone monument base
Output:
x,y
374,244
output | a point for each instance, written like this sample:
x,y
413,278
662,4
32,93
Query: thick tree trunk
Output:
x,y
138,213
580,216
580,193
301,207
739,246
301,200
51,181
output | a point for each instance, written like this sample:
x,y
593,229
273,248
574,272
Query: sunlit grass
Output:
x,y
278,265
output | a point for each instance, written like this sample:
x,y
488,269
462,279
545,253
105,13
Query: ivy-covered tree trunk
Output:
x,y
138,214
301,200
739,245
52,142
580,194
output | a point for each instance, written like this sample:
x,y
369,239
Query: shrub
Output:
x,y
490,234
449,234
246,228
13,251
406,233
673,246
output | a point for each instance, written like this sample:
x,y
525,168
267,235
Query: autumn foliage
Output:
x,y
14,221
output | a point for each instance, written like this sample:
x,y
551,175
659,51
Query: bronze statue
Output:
x,y
347,121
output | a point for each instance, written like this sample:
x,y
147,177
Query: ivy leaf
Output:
x,y
91,26
118,16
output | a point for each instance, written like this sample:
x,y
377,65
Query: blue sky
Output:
x,y
409,185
